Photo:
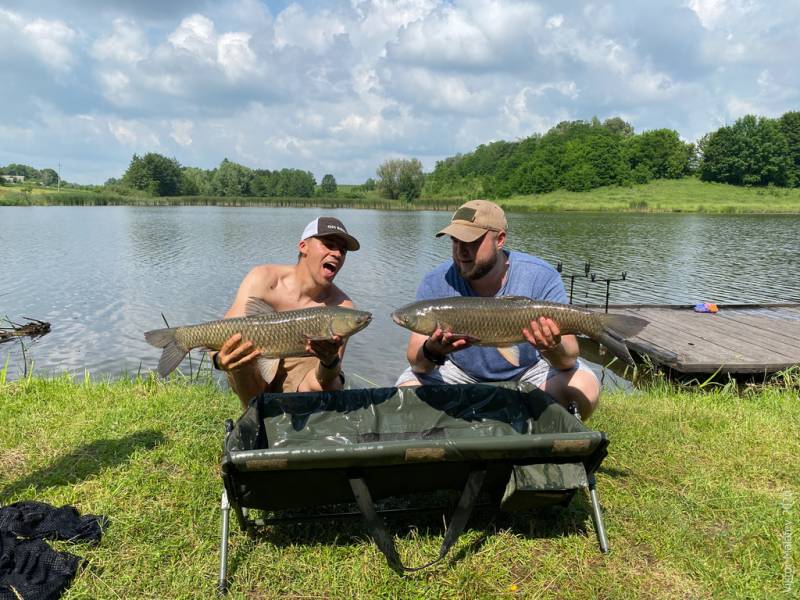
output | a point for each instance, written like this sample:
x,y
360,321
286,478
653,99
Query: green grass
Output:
x,y
687,195
701,493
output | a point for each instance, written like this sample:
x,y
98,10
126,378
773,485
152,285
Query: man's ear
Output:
x,y
302,249
501,239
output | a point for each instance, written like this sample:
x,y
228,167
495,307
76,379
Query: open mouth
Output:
x,y
330,268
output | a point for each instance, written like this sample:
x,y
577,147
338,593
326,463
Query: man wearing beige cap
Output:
x,y
322,249
481,266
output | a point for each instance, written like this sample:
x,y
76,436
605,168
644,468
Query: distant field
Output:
x,y
687,195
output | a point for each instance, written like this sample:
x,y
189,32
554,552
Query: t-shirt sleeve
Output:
x,y
425,289
553,289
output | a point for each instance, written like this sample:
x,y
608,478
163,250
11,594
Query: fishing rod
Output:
x,y
592,277
587,266
608,281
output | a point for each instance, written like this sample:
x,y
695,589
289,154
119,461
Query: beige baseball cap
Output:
x,y
473,219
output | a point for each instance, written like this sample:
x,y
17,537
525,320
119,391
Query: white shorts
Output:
x,y
449,373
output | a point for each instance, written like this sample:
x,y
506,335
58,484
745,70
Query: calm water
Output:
x,y
103,275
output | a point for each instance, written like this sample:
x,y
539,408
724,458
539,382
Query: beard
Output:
x,y
478,270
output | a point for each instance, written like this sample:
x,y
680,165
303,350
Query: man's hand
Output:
x,y
236,353
544,334
325,350
441,343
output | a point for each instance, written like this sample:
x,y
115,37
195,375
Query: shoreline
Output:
x,y
688,195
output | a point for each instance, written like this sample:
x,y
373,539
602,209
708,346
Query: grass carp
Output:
x,y
499,321
276,334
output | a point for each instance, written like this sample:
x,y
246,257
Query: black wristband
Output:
x,y
437,360
333,363
214,362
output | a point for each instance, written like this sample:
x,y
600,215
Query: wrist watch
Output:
x,y
332,364
437,360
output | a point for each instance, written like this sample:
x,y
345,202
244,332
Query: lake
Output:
x,y
104,275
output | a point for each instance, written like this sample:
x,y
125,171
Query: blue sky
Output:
x,y
340,86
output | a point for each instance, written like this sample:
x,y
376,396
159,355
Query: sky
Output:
x,y
340,86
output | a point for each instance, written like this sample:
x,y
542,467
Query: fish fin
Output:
x,y
317,338
172,355
257,306
624,326
510,353
160,338
267,367
616,345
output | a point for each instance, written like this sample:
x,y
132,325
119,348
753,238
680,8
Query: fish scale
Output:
x,y
499,321
280,334
274,334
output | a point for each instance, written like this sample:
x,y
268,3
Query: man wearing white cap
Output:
x,y
482,267
322,250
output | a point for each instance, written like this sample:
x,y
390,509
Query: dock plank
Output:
x,y
751,340
737,339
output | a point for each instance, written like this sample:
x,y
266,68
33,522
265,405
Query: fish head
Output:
x,y
345,323
416,318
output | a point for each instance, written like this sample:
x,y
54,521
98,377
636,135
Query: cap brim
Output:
x,y
463,233
350,242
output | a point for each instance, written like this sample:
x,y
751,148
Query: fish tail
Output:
x,y
173,352
624,326
617,345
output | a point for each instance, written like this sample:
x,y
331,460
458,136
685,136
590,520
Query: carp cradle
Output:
x,y
516,446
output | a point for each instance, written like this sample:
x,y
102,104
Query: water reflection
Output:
x,y
104,275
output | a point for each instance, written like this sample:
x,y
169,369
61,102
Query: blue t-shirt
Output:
x,y
527,276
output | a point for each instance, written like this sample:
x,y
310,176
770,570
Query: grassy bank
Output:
x,y
687,195
701,492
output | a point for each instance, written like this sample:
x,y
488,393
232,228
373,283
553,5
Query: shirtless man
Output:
x,y
322,251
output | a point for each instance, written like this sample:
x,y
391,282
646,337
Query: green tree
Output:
x,y
48,177
752,151
790,127
658,154
196,182
401,178
155,174
263,183
618,126
369,184
231,179
328,185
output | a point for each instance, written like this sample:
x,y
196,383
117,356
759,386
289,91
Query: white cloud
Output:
x,y
50,41
339,86
235,56
134,134
316,32
182,131
196,36
127,44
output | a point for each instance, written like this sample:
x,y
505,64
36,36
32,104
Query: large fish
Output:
x,y
276,334
498,321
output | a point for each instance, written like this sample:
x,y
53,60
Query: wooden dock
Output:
x,y
739,339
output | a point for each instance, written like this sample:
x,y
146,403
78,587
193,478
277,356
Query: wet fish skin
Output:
x,y
499,321
274,334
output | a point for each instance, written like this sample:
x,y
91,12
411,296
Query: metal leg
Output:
x,y
223,550
597,515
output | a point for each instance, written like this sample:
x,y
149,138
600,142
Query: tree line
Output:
x,y
32,175
583,155
573,155
158,175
